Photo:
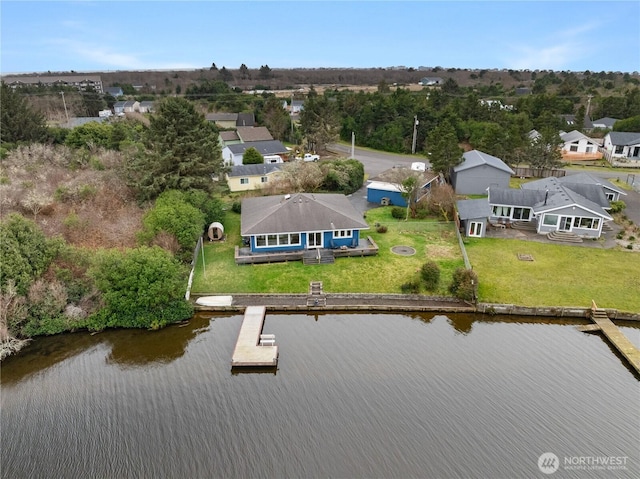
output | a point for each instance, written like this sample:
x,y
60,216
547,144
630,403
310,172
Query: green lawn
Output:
x,y
560,275
383,273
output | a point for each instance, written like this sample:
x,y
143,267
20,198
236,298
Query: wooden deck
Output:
x,y
365,247
615,337
248,351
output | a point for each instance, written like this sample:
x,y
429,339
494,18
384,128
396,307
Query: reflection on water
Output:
x,y
354,395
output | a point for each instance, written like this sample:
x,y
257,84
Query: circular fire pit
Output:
x,y
403,250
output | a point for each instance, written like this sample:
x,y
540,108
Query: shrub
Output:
x,y
398,213
173,214
236,207
464,284
618,206
629,246
632,238
620,235
142,287
25,252
410,287
430,274
381,229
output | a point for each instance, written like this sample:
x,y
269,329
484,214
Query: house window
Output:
x,y
244,181
342,234
475,228
282,239
521,214
550,220
610,196
619,149
573,147
502,211
264,179
586,223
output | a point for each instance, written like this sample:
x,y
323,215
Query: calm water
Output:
x,y
354,395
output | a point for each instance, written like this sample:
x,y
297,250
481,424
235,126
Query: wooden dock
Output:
x,y
250,349
615,336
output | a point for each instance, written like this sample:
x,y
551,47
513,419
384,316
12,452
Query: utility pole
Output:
x,y
353,145
291,117
589,97
415,131
65,106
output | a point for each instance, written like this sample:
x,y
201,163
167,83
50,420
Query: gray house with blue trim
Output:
x,y
301,221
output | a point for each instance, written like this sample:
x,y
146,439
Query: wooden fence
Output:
x,y
523,172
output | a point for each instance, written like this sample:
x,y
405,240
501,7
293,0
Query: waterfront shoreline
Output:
x,y
402,303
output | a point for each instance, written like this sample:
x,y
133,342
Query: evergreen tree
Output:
x,y
252,157
265,72
443,151
544,151
182,151
19,122
275,118
92,102
319,121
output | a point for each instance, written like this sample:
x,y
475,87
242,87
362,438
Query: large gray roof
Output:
x,y
515,197
300,212
624,138
607,121
271,147
474,158
558,195
254,170
588,179
471,209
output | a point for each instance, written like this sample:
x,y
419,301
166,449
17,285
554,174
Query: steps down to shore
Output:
x,y
316,295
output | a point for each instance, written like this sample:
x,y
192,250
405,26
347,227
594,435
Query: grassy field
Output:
x,y
560,275
384,273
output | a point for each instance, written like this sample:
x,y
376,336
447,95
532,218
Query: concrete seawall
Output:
x,y
404,303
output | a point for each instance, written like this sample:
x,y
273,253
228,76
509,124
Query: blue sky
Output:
x,y
122,35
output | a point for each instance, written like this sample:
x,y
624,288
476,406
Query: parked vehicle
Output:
x,y
271,159
308,157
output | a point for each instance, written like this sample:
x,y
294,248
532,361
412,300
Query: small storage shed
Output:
x,y
216,231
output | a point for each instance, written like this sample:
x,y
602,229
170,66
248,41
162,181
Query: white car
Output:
x,y
308,157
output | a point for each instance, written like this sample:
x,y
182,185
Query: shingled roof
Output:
x,y
476,158
299,212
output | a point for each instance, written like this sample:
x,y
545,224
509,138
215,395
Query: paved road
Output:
x,y
375,162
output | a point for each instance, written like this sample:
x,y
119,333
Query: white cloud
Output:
x,y
99,57
555,57
557,51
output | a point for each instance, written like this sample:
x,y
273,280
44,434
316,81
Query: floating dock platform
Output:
x,y
254,349
616,337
